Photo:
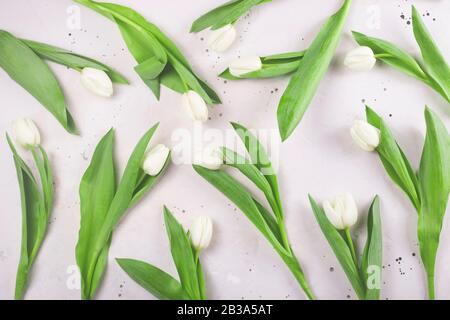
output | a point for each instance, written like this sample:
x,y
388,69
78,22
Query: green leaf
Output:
x,y
251,172
35,216
436,66
239,195
225,14
72,60
392,55
30,72
394,160
97,189
96,231
434,183
340,249
305,81
154,280
261,160
373,251
272,66
183,256
153,51
201,280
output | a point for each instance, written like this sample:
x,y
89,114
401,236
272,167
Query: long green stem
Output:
x,y
431,291
351,246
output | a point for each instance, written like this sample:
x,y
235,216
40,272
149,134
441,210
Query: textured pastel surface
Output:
x,y
319,158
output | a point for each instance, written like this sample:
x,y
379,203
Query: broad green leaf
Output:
x,y
284,57
170,78
183,256
372,258
394,160
29,71
239,195
392,55
225,14
154,280
305,81
97,189
434,183
71,60
435,63
340,249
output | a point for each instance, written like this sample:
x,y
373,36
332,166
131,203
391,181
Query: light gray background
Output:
x,y
319,158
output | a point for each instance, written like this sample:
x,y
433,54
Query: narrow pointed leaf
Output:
x,y
372,259
392,55
394,160
435,63
97,189
434,178
30,72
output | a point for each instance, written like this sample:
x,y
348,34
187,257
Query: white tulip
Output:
x,y
195,106
360,59
97,81
341,211
201,232
211,159
26,133
365,135
245,65
221,39
155,158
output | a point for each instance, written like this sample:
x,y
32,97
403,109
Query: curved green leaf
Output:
x,y
392,55
436,66
183,256
394,160
373,251
29,71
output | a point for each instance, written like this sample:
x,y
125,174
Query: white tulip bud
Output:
x,y
154,160
341,211
365,135
245,65
97,81
201,232
221,39
211,159
360,59
26,133
195,106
